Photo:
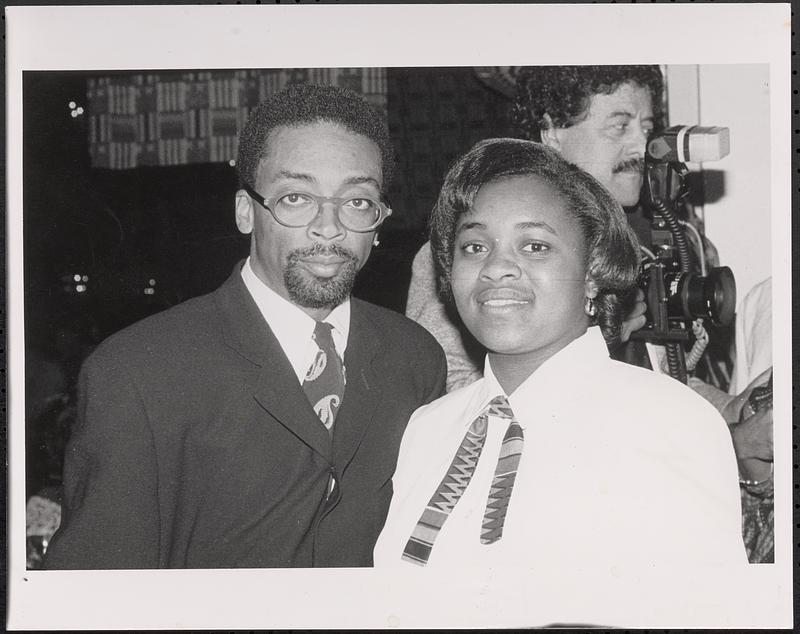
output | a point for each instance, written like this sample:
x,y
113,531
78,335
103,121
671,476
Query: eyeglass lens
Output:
x,y
300,209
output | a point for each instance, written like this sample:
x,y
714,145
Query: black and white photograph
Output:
x,y
399,316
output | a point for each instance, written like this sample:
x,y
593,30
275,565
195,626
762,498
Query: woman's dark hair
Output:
x,y
564,92
610,245
301,104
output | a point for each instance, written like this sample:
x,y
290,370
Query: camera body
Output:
x,y
676,298
675,294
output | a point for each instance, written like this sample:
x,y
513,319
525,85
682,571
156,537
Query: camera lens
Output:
x,y
692,296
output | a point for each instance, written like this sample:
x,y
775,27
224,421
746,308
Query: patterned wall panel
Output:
x,y
177,118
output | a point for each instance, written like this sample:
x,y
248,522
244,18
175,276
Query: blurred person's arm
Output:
x,y
751,431
425,307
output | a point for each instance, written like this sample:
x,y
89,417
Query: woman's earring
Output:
x,y
376,241
589,308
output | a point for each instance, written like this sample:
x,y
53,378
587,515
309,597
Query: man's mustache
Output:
x,y
631,165
322,250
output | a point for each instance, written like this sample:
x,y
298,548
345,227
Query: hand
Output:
x,y
752,438
636,318
732,412
760,380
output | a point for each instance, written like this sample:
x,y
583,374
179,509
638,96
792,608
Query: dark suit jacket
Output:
x,y
195,445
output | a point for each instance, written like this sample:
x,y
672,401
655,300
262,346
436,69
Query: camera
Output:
x,y
674,297
675,293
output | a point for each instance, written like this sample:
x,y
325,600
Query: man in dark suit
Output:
x,y
201,441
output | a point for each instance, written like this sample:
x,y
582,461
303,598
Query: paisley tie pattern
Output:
x,y
458,476
324,380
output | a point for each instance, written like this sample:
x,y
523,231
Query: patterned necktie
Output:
x,y
419,546
324,381
504,475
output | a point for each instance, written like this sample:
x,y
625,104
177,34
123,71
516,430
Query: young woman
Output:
x,y
559,456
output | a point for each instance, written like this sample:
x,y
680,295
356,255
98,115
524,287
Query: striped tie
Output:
x,y
504,476
459,474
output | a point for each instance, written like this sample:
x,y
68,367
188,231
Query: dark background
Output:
x,y
175,225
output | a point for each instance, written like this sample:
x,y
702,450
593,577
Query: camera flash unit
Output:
x,y
693,144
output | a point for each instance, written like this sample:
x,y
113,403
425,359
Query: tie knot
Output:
x,y
499,406
322,334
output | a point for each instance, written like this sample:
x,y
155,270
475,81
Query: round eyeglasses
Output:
x,y
299,209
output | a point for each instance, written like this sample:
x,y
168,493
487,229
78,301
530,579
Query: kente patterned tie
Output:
x,y
324,381
504,475
419,546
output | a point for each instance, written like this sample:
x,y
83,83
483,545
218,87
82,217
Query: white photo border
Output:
x,y
278,36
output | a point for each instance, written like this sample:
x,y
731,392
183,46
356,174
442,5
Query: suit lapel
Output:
x,y
362,393
276,387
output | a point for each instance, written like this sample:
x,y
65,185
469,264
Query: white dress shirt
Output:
x,y
620,467
292,326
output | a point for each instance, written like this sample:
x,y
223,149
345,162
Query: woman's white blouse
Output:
x,y
621,467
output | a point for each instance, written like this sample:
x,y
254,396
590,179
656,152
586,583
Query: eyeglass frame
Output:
x,y
266,203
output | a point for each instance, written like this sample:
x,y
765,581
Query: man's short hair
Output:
x,y
610,244
564,92
302,104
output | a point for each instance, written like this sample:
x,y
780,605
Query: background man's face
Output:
x,y
314,267
610,142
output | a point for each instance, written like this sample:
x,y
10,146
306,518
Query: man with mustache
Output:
x,y
597,117
259,426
